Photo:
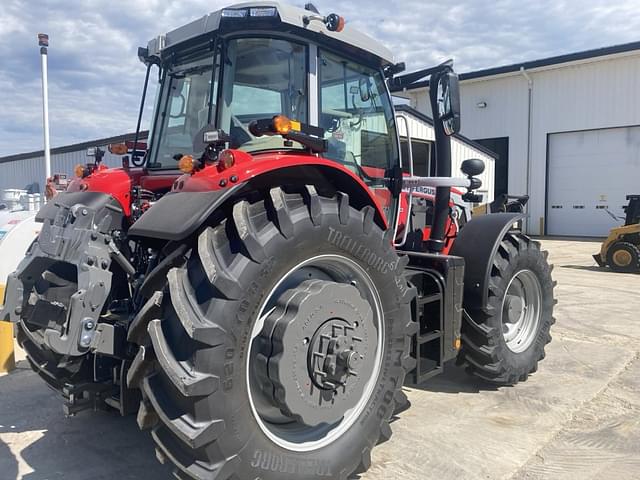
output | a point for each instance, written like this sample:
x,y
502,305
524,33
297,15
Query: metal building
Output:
x,y
566,130
27,169
422,140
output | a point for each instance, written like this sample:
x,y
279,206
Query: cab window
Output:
x,y
357,116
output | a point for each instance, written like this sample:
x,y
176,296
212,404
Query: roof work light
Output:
x,y
263,12
250,12
234,13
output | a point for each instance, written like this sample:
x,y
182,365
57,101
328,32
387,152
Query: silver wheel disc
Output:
x,y
521,310
285,429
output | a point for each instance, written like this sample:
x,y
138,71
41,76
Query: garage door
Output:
x,y
590,173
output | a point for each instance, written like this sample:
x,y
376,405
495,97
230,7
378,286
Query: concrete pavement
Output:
x,y
578,417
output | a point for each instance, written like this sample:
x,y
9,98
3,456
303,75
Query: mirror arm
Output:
x,y
436,242
405,81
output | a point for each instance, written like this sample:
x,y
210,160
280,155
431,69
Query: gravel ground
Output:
x,y
578,417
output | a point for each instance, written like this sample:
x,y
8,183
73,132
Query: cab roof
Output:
x,y
288,15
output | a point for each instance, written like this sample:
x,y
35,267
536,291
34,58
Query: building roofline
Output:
x,y
421,116
77,146
144,134
544,62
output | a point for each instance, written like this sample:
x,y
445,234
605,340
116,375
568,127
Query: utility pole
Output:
x,y
43,42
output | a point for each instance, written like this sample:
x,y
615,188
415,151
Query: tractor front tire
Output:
x,y
503,342
624,257
278,350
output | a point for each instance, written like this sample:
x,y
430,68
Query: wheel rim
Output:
x,y
622,258
521,310
288,424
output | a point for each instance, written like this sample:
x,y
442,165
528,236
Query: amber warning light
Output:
x,y
292,130
118,149
186,164
333,21
226,160
283,125
278,125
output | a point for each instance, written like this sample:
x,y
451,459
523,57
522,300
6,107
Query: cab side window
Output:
x,y
355,113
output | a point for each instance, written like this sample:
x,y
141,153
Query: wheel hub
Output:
x,y
318,345
334,355
622,258
514,306
521,310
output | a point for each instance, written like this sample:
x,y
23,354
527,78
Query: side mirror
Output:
x,y
448,101
95,152
365,89
472,167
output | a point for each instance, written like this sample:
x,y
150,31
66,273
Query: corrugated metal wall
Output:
x,y
591,94
22,173
460,151
596,95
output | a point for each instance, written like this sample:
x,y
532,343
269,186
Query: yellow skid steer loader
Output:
x,y
621,250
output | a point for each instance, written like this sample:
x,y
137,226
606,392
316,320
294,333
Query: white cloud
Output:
x,y
95,77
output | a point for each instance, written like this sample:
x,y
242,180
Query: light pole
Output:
x,y
43,42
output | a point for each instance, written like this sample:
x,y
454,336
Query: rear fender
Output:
x,y
177,215
478,243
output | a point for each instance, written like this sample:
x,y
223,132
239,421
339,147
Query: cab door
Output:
x,y
356,113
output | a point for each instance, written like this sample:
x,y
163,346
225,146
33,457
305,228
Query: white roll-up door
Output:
x,y
589,173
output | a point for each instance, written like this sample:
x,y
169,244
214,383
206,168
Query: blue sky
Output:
x,y
96,79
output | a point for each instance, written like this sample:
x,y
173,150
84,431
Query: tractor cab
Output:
x,y
274,81
235,69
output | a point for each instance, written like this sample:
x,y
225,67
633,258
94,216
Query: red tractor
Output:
x,y
245,285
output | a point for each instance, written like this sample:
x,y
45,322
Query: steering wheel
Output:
x,y
237,123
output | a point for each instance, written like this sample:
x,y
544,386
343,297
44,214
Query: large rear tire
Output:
x,y
503,342
226,368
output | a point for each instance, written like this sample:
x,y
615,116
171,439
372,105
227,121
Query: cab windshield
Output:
x,y
262,77
183,108
259,77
